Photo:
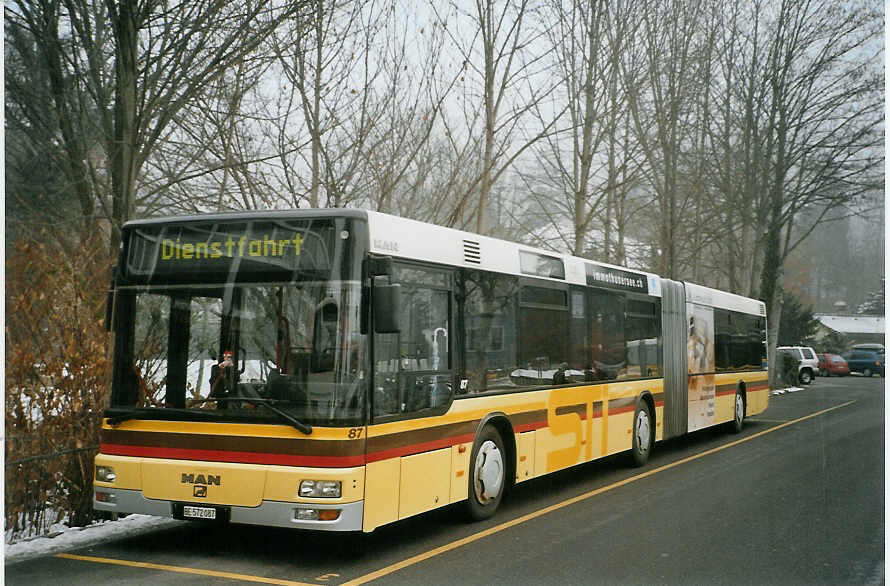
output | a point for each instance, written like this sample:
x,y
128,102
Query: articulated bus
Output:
x,y
344,369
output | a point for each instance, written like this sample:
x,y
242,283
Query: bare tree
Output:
x,y
823,103
411,93
500,52
58,81
122,72
332,70
567,161
661,81
583,168
733,133
622,150
216,157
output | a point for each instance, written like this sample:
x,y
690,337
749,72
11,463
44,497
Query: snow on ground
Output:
x,y
68,538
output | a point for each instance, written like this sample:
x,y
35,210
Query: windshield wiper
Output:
x,y
117,415
120,417
267,403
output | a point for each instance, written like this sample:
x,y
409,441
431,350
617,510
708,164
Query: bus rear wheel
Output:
x,y
642,434
488,475
738,420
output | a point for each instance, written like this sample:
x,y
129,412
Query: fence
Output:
x,y
45,486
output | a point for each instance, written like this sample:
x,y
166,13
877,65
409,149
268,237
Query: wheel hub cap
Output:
x,y
643,431
489,472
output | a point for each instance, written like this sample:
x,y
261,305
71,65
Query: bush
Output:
x,y
57,380
787,367
835,343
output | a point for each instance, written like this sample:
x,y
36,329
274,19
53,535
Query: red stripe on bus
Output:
x,y
419,448
621,410
530,426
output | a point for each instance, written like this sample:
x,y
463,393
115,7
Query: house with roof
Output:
x,y
859,329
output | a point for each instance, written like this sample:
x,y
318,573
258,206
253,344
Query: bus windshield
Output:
x,y
191,344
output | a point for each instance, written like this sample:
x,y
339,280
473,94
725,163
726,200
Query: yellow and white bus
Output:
x,y
344,369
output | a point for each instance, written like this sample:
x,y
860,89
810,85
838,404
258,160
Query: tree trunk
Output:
x,y
123,148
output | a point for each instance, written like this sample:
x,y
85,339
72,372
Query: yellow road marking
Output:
x,y
181,570
546,510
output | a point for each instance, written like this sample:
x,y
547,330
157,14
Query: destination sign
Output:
x,y
265,247
196,252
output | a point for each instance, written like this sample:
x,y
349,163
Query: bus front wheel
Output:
x,y
487,474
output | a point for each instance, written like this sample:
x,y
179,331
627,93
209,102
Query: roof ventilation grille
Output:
x,y
472,253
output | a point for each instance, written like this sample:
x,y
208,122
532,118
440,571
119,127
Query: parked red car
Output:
x,y
832,364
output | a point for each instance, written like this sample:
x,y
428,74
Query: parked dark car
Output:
x,y
879,348
868,362
833,364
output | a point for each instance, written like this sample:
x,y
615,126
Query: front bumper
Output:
x,y
268,513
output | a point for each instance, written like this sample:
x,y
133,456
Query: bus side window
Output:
x,y
487,304
608,350
543,349
642,332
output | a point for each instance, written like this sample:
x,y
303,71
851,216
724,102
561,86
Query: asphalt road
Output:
x,y
796,498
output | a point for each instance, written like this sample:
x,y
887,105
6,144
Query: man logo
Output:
x,y
200,482
209,479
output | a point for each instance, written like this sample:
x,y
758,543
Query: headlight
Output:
x,y
320,488
105,474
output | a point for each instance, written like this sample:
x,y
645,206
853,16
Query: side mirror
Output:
x,y
379,266
109,300
109,309
387,308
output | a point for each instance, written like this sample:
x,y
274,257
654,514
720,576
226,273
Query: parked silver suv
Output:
x,y
809,362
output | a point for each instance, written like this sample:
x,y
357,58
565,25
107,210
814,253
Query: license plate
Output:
x,y
198,512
